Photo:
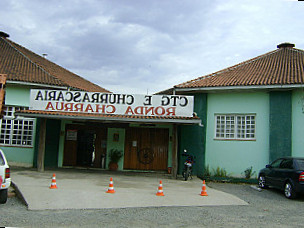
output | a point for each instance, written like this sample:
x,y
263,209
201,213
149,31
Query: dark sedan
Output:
x,y
285,174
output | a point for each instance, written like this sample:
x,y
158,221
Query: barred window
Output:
x,y
16,131
240,127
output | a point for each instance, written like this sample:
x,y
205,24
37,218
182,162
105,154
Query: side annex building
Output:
x,y
252,112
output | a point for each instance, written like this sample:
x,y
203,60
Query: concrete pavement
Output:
x,y
86,189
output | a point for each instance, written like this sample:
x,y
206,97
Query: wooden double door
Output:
x,y
146,149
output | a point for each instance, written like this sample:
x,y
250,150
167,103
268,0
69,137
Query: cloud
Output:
x,y
134,46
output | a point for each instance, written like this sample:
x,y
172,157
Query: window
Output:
x,y
300,163
276,163
16,131
240,127
286,164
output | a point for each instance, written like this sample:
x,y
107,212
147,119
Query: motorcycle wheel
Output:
x,y
186,175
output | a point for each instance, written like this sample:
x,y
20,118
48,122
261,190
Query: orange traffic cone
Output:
x,y
53,184
203,192
111,187
160,189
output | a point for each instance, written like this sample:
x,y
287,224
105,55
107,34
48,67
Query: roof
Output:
x,y
108,117
283,66
23,65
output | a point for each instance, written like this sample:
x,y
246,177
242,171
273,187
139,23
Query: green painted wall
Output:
x,y
279,124
192,137
119,145
298,123
36,142
61,141
18,156
232,155
52,143
17,95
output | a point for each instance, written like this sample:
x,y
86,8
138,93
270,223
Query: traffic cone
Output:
x,y
160,189
53,184
203,192
111,187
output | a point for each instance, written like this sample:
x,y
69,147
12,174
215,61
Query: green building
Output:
x,y
252,113
245,116
147,136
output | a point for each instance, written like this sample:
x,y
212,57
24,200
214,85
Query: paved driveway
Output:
x,y
86,189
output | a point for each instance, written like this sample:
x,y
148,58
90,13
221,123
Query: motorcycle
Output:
x,y
187,171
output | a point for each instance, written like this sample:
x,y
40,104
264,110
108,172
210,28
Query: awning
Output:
x,y
108,117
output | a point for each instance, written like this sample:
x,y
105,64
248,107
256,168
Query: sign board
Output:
x,y
111,103
71,135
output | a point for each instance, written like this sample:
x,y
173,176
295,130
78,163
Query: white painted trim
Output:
x,y
36,84
235,126
238,88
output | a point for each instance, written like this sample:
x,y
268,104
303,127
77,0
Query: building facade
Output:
x,y
146,135
252,112
244,116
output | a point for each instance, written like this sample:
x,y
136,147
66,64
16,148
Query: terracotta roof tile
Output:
x,y
21,64
283,66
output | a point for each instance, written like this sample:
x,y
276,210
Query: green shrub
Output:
x,y
249,172
220,172
207,172
115,155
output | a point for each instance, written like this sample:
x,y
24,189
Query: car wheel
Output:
x,y
289,191
3,196
262,181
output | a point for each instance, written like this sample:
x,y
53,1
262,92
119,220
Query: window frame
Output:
x,y
237,127
21,131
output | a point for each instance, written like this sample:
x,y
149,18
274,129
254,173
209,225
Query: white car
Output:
x,y
5,178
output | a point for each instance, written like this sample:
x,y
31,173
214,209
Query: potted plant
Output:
x,y
114,156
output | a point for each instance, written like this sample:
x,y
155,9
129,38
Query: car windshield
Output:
x,y
300,163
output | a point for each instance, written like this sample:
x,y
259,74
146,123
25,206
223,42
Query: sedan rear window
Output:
x,y
300,164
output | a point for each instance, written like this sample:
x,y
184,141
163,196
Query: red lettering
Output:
x,y
113,109
61,107
129,109
89,108
139,110
160,111
171,111
49,106
68,107
78,107
100,109
110,109
147,110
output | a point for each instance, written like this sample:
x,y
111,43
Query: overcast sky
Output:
x,y
145,46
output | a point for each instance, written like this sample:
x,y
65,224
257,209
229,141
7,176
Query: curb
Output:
x,y
233,180
19,194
